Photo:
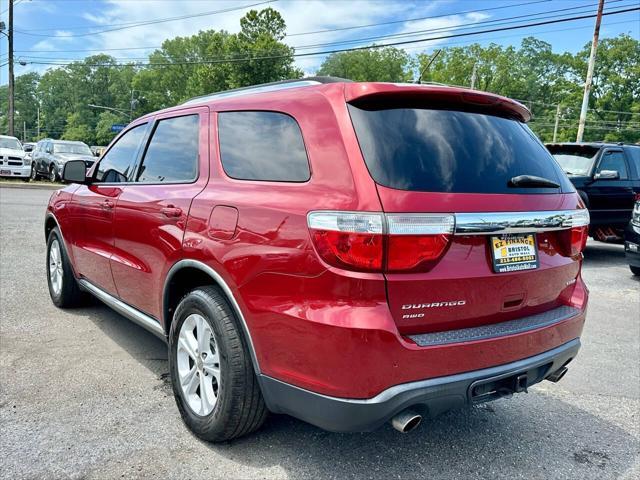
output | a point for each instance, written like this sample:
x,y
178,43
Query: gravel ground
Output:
x,y
84,394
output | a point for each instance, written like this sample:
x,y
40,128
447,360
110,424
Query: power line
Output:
x,y
146,22
542,32
339,50
83,27
400,35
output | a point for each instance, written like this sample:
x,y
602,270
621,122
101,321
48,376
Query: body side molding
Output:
x,y
136,316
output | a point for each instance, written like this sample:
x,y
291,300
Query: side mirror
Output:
x,y
607,175
74,171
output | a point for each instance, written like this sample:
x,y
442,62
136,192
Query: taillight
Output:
x,y
576,237
348,240
417,241
376,242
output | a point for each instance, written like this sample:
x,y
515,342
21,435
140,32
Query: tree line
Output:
x,y
550,84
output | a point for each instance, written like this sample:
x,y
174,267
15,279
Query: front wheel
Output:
x,y
635,270
34,172
213,381
63,287
53,174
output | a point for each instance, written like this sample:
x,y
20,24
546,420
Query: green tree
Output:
x,y
26,106
376,65
103,133
78,129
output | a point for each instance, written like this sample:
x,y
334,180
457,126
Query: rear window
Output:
x,y
431,150
575,159
265,146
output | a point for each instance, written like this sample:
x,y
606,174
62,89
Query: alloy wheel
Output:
x,y
34,174
55,267
52,174
198,364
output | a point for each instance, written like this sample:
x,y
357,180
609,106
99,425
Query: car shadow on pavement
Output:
x,y
536,433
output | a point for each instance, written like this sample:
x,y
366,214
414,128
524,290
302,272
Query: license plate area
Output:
x,y
514,252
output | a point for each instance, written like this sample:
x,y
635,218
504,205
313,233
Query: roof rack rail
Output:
x,y
265,87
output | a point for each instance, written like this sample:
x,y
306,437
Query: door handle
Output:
x,y
171,212
107,205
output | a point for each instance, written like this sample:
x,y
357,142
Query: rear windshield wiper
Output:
x,y
531,181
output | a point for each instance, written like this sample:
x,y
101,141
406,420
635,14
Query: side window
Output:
x,y
634,154
614,160
172,154
262,146
115,166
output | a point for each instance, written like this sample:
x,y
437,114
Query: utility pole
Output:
x,y
555,129
24,132
587,83
38,123
11,85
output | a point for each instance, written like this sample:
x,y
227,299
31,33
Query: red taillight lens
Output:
x,y
417,241
410,253
353,251
579,237
575,239
348,240
361,241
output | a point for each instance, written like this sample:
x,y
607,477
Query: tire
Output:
x,y
34,172
635,270
53,174
67,293
237,407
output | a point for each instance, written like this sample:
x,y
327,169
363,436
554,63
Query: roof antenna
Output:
x,y
433,57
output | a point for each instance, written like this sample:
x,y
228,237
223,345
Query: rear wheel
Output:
x,y
635,270
34,172
63,287
214,384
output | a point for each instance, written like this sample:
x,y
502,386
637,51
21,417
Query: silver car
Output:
x,y
49,157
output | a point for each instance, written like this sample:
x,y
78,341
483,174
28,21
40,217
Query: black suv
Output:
x,y
607,177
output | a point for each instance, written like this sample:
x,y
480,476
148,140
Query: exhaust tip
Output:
x,y
558,374
406,421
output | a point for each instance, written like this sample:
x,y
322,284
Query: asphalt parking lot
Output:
x,y
84,394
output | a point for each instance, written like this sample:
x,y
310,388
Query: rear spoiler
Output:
x,y
439,94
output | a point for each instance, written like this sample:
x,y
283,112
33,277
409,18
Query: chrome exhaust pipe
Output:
x,y
406,421
557,375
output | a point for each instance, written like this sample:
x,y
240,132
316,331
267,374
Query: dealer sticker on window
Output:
x,y
512,253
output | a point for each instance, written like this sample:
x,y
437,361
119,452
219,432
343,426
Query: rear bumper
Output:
x,y
15,171
430,397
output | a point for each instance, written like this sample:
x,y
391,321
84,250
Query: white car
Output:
x,y
13,159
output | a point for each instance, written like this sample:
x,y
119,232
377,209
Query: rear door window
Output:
x,y
265,146
450,151
172,154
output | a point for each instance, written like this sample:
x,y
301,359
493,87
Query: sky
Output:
x,y
67,30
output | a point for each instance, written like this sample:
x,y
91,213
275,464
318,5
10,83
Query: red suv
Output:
x,y
345,253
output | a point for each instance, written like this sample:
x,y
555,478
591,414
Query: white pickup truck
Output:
x,y
14,161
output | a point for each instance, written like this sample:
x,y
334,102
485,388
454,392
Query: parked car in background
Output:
x,y
13,161
607,177
632,240
50,156
28,146
345,253
97,150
